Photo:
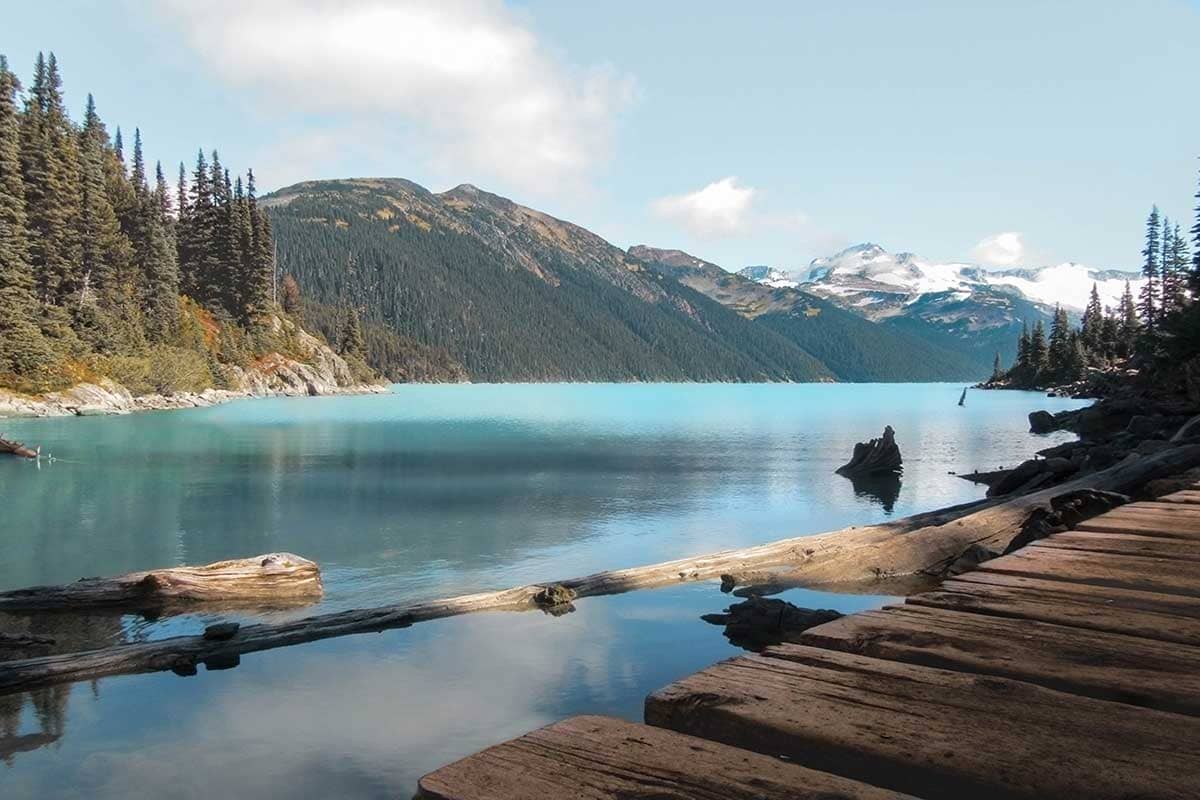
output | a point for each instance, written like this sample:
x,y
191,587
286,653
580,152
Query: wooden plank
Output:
x,y
1141,525
1124,544
934,733
597,757
1163,575
1125,669
1158,505
1143,614
1186,497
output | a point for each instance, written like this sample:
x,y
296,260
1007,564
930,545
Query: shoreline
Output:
x,y
108,398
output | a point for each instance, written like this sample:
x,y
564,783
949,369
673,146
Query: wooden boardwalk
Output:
x,y
1068,669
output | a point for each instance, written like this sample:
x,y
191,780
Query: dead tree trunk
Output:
x,y
277,577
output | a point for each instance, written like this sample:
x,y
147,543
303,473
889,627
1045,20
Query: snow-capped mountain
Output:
x,y
957,305
769,276
881,284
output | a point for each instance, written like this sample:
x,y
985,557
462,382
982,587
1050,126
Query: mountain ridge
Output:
x,y
511,293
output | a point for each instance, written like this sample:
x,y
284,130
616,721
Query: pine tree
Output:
x,y
1093,322
198,263
350,342
256,272
1175,290
1150,270
23,350
1022,363
105,311
1058,353
50,170
156,257
162,196
1128,324
997,369
1038,351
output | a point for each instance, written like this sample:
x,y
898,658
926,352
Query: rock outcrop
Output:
x,y
323,372
877,457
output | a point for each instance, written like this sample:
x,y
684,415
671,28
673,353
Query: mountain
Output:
x,y
468,284
958,306
468,279
770,276
854,348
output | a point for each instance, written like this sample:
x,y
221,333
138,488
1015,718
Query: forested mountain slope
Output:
x,y
512,294
509,293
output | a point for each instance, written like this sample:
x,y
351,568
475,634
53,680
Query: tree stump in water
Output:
x,y
266,579
876,457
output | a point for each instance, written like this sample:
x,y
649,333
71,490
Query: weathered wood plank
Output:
x,y
1108,666
1168,508
1147,615
1123,544
265,579
934,733
1163,575
597,758
1186,497
1141,525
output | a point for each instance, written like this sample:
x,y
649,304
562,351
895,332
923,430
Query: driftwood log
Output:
x,y
922,544
876,457
276,577
17,449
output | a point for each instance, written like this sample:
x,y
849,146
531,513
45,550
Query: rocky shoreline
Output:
x,y
323,373
1134,415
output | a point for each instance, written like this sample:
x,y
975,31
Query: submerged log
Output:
x,y
262,579
18,449
924,544
876,457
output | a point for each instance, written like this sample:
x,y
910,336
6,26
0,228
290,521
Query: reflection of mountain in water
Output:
x,y
883,489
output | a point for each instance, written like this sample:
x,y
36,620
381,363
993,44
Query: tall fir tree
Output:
x,y
1038,350
1150,271
350,342
50,170
257,265
1128,324
1058,352
1092,324
23,350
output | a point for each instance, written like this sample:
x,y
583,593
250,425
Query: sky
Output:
x,y
1015,134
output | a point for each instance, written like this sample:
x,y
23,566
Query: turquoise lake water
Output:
x,y
426,492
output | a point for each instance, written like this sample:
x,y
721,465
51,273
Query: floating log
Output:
x,y
260,580
18,449
922,544
876,457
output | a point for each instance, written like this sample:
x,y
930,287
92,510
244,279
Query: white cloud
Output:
x,y
463,79
719,209
1000,250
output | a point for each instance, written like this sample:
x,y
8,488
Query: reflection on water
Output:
x,y
430,492
883,489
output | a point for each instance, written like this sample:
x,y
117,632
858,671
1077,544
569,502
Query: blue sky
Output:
x,y
1017,133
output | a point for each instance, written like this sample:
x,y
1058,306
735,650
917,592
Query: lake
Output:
x,y
427,492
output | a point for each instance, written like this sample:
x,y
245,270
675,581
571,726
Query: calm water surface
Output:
x,y
426,492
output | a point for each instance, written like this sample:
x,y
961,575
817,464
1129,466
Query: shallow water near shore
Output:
x,y
427,492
